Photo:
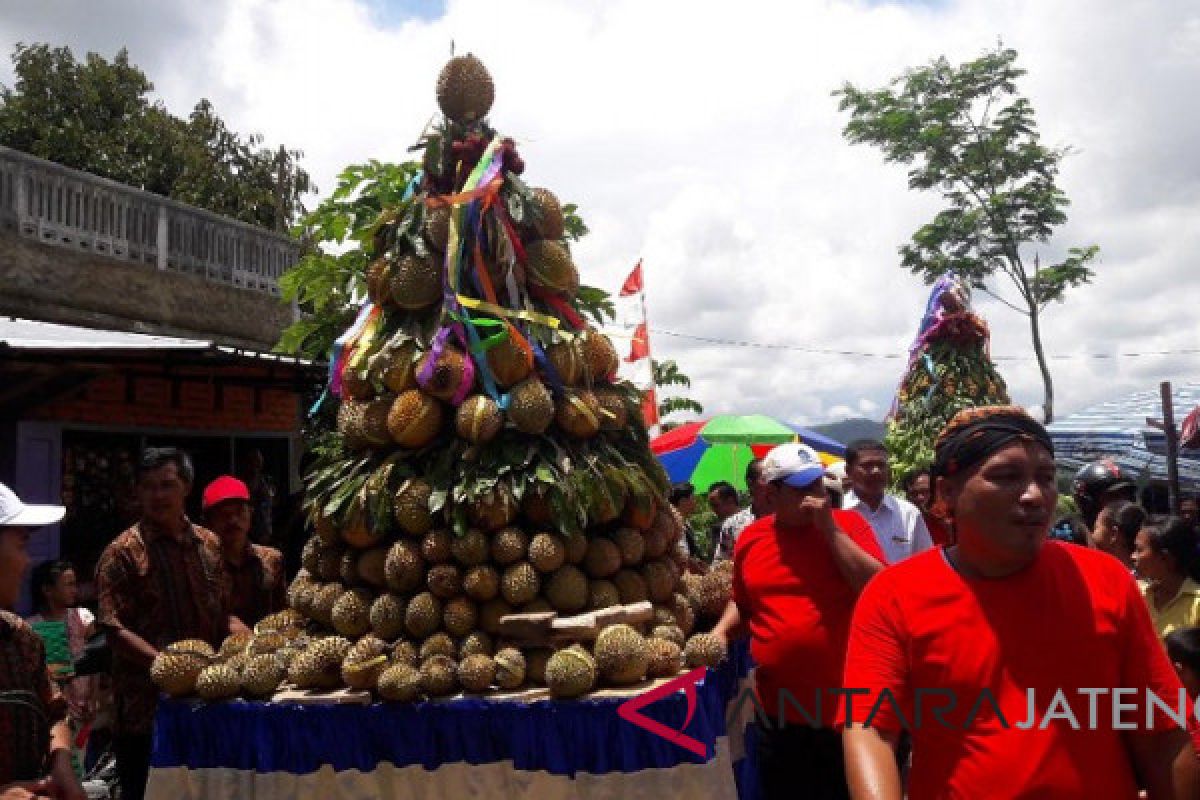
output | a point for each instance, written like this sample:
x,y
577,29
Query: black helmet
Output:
x,y
1097,479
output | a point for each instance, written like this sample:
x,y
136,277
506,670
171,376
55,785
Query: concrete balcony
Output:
x,y
81,249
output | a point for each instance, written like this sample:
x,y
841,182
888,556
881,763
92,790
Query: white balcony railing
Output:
x,y
65,207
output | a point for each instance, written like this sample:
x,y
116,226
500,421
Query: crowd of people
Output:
x,y
968,596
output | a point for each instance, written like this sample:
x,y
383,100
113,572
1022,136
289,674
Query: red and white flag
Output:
x,y
633,284
639,347
650,407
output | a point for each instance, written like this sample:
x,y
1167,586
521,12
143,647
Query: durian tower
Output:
x,y
949,369
485,462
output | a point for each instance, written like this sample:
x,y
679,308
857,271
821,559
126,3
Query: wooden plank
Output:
x,y
322,697
534,625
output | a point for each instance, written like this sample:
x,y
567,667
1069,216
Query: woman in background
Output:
x,y
1165,559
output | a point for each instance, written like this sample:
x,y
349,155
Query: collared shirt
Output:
x,y
256,585
897,523
163,588
30,702
728,534
1181,611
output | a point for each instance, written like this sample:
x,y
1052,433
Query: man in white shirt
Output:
x,y
898,525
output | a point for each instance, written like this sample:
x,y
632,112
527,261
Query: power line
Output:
x,y
862,354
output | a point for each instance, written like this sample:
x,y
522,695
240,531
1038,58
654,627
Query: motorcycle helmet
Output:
x,y
1097,483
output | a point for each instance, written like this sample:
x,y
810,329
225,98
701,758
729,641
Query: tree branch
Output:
x,y
1000,299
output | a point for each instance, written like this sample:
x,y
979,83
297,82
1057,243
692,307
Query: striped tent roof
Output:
x,y
1117,429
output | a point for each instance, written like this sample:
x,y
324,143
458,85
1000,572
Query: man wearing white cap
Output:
x,y
35,739
796,578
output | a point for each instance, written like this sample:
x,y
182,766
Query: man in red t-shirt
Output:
x,y
1022,667
796,576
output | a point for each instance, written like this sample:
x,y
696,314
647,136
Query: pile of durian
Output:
x,y
482,460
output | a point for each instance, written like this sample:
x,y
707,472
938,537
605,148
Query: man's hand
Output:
x,y
61,783
23,790
819,510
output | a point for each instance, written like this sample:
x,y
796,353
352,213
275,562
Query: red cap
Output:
x,y
224,488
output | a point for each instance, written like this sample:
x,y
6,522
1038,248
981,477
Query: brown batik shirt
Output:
x,y
257,584
30,702
163,588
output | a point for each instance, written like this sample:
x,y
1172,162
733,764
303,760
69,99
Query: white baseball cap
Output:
x,y
15,514
797,465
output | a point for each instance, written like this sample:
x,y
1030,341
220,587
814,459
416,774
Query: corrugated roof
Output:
x,y
36,335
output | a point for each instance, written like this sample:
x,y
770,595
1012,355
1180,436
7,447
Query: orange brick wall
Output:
x,y
102,401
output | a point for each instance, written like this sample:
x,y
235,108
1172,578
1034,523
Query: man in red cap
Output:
x,y
255,572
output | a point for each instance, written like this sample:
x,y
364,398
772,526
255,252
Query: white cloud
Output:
x,y
702,138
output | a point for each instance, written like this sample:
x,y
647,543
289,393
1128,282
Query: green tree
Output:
x,y
966,133
667,374
97,116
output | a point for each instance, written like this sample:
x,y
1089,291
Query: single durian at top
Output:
x,y
465,91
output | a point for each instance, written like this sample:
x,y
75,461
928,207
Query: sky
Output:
x,y
702,138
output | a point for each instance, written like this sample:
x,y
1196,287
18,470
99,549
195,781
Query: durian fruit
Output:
x,y
704,650
481,583
326,529
436,227
387,616
671,633
370,565
319,666
439,676
414,419
360,530
375,421
234,643
549,266
510,668
530,407
614,415
262,675
508,546
470,549
399,369
460,616
493,509
196,647
577,547
537,605
603,558
567,589
661,577
287,621
509,362
465,91
444,580
378,274
404,568
350,423
405,652
423,615
535,663
478,419
329,561
570,673
323,602
236,662
400,683
448,373
476,673
602,594
663,615
655,543
631,587
414,283
546,552
349,572
490,614
685,615
437,546
520,583
640,507
300,593
475,642
713,592
439,644
364,663
631,546
663,658
600,359
621,655
567,359
218,682
356,385
175,673
578,413
549,220
351,613
410,506
266,643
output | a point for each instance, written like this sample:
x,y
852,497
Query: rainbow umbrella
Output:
x,y
719,449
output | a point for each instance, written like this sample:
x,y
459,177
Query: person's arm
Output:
x,y
730,626
279,590
234,625
61,779
1165,763
855,564
114,594
922,540
871,770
